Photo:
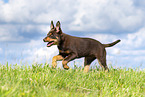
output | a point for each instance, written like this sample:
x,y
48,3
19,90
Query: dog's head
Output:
x,y
53,35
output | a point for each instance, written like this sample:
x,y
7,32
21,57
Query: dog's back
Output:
x,y
81,46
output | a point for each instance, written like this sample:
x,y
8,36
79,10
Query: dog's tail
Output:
x,y
111,44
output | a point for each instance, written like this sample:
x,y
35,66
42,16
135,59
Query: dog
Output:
x,y
71,47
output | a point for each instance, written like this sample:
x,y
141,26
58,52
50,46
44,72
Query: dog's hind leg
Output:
x,y
55,59
87,62
102,63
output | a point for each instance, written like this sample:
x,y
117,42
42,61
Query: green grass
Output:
x,y
42,81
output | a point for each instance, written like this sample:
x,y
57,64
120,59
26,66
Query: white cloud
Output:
x,y
120,15
33,51
37,51
16,32
133,52
26,16
36,11
40,55
135,40
9,33
81,15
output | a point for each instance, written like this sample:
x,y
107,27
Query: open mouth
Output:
x,y
50,43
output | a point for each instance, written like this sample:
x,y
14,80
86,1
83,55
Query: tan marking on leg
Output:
x,y
105,69
55,59
87,62
64,63
86,68
100,64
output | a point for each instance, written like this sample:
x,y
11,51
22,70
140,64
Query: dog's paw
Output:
x,y
107,70
66,67
53,67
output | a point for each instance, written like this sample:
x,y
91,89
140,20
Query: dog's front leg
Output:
x,y
68,59
55,59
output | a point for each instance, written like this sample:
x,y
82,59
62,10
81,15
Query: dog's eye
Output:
x,y
49,34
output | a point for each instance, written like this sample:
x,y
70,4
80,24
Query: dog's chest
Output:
x,y
64,51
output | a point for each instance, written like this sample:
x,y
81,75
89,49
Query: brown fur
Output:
x,y
71,47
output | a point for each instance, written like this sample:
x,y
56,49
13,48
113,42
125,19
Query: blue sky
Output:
x,y
24,23
6,1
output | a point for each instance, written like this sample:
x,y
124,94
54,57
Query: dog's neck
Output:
x,y
62,40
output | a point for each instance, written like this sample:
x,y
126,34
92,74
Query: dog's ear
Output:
x,y
52,25
58,29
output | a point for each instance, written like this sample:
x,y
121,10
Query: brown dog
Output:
x,y
71,47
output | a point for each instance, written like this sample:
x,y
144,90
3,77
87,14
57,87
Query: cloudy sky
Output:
x,y
24,23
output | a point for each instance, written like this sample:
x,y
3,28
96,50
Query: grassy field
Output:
x,y
42,81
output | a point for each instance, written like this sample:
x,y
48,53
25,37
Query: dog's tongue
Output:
x,y
50,43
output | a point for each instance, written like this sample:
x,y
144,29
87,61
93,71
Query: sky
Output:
x,y
24,24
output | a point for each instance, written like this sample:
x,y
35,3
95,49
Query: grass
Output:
x,y
43,81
